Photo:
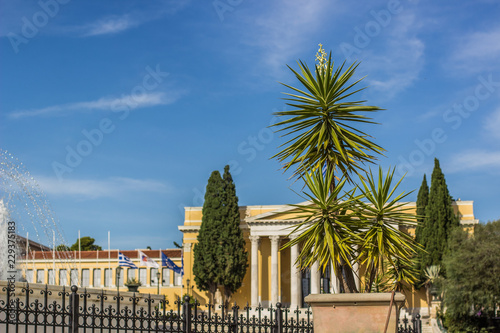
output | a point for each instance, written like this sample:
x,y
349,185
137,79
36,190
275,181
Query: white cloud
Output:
x,y
147,12
398,64
104,103
492,124
474,159
110,25
93,189
477,51
281,33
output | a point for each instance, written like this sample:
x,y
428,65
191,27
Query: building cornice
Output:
x,y
469,222
189,228
252,223
196,228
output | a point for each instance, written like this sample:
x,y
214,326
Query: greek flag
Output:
x,y
167,262
124,261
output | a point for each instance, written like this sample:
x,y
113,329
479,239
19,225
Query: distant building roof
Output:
x,y
104,254
33,246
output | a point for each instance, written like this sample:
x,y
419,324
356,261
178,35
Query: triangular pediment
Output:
x,y
284,212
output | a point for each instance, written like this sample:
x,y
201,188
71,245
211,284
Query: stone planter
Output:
x,y
434,292
133,287
364,312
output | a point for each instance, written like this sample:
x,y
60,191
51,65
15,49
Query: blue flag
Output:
x,y
124,261
167,262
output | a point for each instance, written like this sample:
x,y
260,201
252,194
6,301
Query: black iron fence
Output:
x,y
70,311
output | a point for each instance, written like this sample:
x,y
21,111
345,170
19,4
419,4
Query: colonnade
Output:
x,y
295,273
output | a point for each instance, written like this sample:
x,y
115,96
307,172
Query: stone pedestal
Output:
x,y
354,312
435,305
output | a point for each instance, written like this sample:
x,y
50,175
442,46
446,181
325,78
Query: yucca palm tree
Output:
x,y
432,275
329,230
327,150
344,227
322,122
382,222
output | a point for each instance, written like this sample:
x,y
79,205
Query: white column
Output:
x,y
355,269
335,287
295,291
274,269
315,277
254,271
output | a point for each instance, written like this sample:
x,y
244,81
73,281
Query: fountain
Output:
x,y
23,204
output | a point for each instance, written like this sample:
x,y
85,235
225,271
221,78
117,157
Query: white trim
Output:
x,y
192,209
278,210
462,202
469,222
196,228
189,228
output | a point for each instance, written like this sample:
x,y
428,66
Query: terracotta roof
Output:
x,y
32,244
113,254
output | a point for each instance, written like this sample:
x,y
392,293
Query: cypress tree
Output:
x,y
422,201
232,255
205,267
439,219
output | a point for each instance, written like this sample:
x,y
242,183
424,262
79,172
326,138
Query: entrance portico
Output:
x,y
262,229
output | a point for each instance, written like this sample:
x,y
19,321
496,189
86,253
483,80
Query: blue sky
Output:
x,y
122,109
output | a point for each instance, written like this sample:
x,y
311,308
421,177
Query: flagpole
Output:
x,y
26,255
109,253
33,261
160,276
54,255
79,256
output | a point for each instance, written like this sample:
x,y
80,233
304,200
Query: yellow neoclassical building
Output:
x,y
271,275
98,270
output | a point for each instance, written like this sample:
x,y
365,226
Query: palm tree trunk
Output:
x,y
346,277
369,283
344,271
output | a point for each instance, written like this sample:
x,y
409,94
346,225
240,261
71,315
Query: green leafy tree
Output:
x,y
327,149
86,244
233,259
472,285
439,220
62,247
206,252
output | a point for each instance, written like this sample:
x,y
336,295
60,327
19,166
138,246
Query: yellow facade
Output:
x,y
265,223
98,270
265,229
